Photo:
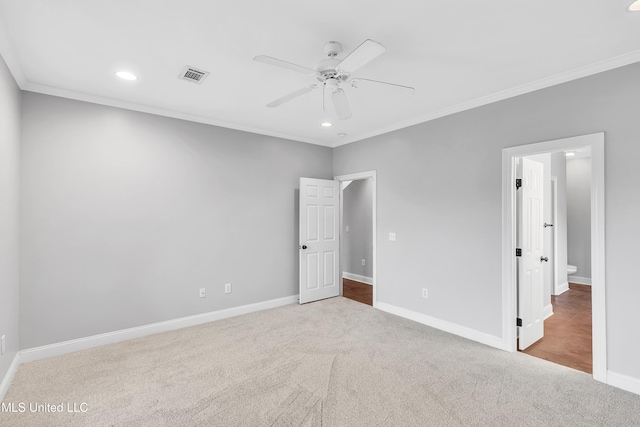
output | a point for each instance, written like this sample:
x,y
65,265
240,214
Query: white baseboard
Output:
x,y
547,311
357,278
56,349
443,325
624,382
580,280
8,378
562,288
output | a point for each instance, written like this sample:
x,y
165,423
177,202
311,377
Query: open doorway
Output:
x,y
357,236
565,335
595,143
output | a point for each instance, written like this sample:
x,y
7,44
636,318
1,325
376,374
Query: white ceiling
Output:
x,y
457,54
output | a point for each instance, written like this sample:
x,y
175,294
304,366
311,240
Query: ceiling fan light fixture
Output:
x,y
634,7
126,75
332,84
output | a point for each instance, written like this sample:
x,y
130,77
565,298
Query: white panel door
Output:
x,y
319,239
530,240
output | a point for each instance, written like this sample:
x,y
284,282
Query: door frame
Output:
x,y
374,208
509,296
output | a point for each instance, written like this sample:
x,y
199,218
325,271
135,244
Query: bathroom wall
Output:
x,y
558,170
357,243
579,218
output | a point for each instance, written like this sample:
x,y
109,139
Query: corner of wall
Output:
x,y
10,111
8,377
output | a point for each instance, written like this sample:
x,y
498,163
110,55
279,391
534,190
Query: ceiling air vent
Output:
x,y
194,75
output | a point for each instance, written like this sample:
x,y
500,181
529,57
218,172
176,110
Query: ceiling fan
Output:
x,y
332,72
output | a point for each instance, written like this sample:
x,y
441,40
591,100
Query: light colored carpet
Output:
x,y
330,363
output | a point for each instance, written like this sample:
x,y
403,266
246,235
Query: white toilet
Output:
x,y
571,269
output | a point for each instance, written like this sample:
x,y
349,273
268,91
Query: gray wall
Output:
x,y
579,215
439,189
126,215
357,244
9,203
559,170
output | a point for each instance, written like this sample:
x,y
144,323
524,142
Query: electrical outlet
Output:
x,y
203,292
227,288
425,293
392,237
346,228
2,344
363,262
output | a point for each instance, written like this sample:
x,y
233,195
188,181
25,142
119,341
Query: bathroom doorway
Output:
x,y
565,328
594,143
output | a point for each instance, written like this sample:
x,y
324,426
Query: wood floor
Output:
x,y
357,291
567,334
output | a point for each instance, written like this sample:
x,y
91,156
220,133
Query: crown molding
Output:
x,y
94,99
567,76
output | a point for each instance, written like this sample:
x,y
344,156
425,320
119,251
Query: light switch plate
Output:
x,y
392,237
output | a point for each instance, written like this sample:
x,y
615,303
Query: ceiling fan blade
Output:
x,y
341,104
291,96
407,88
363,54
284,64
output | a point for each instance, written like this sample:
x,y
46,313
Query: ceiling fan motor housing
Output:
x,y
332,49
326,69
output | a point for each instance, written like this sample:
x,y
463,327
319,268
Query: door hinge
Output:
x,y
518,183
518,252
518,321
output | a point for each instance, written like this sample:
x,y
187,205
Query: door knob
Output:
x,y
303,247
547,225
544,258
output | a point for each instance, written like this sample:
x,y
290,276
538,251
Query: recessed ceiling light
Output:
x,y
326,124
570,153
634,7
342,134
125,75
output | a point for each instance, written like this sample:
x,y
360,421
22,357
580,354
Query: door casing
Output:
x,y
509,296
